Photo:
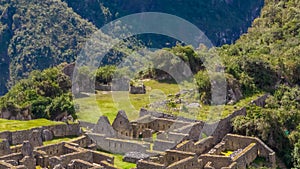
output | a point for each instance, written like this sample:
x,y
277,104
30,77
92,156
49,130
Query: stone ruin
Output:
x,y
154,140
27,151
139,89
165,141
117,84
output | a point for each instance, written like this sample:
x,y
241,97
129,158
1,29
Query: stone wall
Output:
x,y
4,147
246,157
261,101
224,126
171,136
80,164
53,149
67,158
187,163
13,156
236,141
198,147
83,141
218,161
107,165
173,156
162,145
16,149
143,164
119,146
60,130
4,165
20,115
86,125
99,157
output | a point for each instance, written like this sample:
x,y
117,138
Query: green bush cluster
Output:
x,y
44,93
277,124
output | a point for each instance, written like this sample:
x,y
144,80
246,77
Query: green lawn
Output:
x,y
119,163
14,125
108,104
103,103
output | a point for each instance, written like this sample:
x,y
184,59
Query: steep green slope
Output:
x,y
268,58
269,52
222,21
38,34
46,94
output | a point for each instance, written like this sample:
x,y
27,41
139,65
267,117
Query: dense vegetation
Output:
x,y
46,94
267,58
269,52
222,21
35,35
277,124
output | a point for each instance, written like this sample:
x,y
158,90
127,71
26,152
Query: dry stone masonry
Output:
x,y
153,141
78,154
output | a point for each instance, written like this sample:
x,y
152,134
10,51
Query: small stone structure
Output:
x,y
139,89
63,155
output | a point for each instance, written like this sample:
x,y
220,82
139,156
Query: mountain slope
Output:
x,y
37,35
223,21
269,52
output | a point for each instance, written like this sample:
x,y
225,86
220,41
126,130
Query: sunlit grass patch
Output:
x,y
15,125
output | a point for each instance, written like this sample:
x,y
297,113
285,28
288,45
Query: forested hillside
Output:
x,y
223,21
268,58
269,52
37,35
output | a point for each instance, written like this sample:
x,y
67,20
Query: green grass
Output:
x,y
213,112
119,163
227,153
91,108
108,104
58,140
14,125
